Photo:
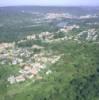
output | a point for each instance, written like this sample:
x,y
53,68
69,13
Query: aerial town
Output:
x,y
49,53
31,64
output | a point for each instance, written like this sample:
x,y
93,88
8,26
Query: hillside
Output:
x,y
49,53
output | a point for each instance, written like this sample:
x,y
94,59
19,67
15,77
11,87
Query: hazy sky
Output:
x,y
49,2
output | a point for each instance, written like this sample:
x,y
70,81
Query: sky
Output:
x,y
50,2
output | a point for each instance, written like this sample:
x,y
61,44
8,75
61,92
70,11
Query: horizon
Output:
x,y
49,3
50,6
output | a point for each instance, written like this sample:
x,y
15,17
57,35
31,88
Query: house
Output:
x,y
48,72
42,66
37,47
11,79
31,37
19,78
34,71
29,76
6,45
39,77
14,62
45,35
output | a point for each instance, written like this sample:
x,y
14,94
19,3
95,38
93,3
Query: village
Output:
x,y
52,16
91,34
31,63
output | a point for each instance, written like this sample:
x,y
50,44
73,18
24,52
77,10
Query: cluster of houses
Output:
x,y
46,36
69,28
14,55
88,16
90,34
27,72
52,16
31,37
41,36
31,71
29,66
49,37
4,46
30,63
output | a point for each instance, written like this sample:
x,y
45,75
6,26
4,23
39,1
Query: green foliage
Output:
x,y
59,35
74,77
